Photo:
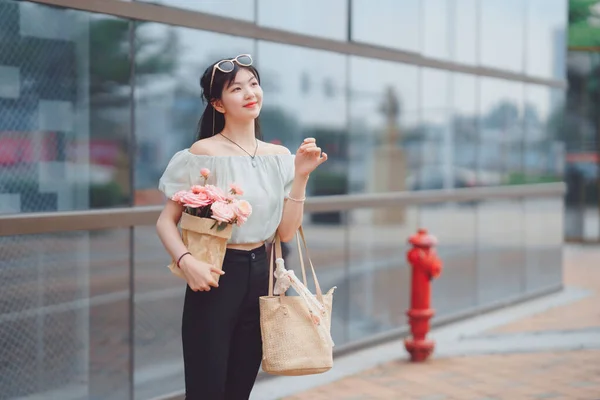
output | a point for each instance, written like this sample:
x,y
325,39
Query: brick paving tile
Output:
x,y
521,377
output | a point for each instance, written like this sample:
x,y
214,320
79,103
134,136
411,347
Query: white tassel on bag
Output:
x,y
287,278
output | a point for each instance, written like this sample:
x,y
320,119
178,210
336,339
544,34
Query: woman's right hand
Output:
x,y
199,274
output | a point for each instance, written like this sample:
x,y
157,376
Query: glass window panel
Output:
x,y
546,38
169,64
305,96
464,128
456,289
464,28
544,243
436,28
544,151
378,277
500,250
436,170
310,17
501,37
64,109
64,315
159,299
384,132
392,23
500,147
238,9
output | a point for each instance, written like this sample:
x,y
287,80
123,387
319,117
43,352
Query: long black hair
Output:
x,y
220,81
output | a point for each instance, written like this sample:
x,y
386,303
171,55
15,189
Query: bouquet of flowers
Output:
x,y
208,219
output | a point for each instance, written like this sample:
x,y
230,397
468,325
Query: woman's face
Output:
x,y
242,99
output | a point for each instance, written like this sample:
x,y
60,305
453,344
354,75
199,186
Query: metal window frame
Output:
x,y
214,23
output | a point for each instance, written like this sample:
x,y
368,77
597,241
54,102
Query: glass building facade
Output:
x,y
404,95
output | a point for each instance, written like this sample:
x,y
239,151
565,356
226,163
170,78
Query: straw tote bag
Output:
x,y
296,330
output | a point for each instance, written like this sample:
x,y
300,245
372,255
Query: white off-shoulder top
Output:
x,y
266,181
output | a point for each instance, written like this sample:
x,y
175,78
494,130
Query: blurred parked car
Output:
x,y
433,177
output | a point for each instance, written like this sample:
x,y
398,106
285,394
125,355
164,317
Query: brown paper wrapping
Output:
x,y
205,244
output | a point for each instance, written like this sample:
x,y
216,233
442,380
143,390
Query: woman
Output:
x,y
222,346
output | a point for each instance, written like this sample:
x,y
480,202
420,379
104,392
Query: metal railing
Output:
x,y
124,217
357,258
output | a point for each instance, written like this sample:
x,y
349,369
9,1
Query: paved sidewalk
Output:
x,y
550,354
567,375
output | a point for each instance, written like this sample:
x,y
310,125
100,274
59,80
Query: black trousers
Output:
x,y
222,345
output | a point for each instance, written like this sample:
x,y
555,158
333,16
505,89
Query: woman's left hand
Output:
x,y
308,157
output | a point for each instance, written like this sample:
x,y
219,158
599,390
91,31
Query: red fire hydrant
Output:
x,y
425,266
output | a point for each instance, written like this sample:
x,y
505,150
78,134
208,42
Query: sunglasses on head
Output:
x,y
225,66
244,60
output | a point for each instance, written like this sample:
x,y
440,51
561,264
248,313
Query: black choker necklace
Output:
x,y
252,156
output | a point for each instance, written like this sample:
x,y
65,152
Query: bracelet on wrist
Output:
x,y
297,200
181,256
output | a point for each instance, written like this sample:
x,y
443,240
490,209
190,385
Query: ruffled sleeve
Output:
x,y
183,171
176,175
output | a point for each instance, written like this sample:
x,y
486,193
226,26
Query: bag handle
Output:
x,y
278,254
312,267
275,248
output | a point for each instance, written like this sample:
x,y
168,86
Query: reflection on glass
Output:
x,y
456,289
159,299
238,9
310,17
436,28
378,277
464,27
169,64
501,37
465,130
500,152
546,38
543,151
500,250
64,315
305,96
64,100
436,169
544,242
384,136
392,23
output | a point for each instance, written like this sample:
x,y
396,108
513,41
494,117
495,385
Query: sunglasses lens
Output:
x,y
225,66
244,60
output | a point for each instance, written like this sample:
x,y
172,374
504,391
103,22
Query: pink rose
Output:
x,y
214,193
242,210
205,172
178,196
200,193
222,211
236,190
196,189
194,200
